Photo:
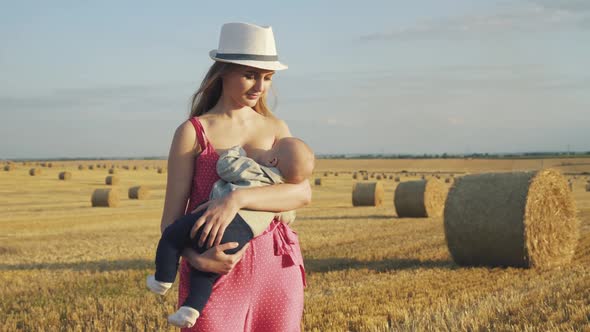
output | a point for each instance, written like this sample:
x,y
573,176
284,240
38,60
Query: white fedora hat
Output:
x,y
249,45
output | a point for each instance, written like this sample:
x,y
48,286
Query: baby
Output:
x,y
289,160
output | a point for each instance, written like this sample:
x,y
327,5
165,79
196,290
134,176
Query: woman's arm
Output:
x,y
180,172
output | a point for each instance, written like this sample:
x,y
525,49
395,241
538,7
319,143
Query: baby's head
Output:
x,y
294,159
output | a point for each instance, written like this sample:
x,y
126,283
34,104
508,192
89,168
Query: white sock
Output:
x,y
156,286
184,317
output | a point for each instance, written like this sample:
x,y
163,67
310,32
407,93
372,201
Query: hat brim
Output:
x,y
268,65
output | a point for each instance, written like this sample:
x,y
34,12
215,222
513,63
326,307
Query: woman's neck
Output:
x,y
228,108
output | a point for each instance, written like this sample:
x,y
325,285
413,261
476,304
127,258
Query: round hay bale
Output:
x,y
147,167
355,176
335,173
139,192
126,167
8,168
161,170
112,180
318,182
520,219
325,173
587,186
65,176
105,198
112,171
135,168
366,177
420,199
397,179
35,171
378,177
81,167
448,180
367,194
90,167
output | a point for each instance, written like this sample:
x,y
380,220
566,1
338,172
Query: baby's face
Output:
x,y
270,158
292,157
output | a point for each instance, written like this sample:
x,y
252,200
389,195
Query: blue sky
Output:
x,y
114,79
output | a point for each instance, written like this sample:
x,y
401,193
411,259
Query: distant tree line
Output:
x,y
522,155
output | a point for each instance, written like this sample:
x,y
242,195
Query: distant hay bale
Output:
x,y
367,194
355,176
112,171
420,199
365,177
81,167
397,179
90,167
8,168
335,173
448,180
65,176
325,173
317,182
35,171
139,192
105,198
587,186
520,219
112,180
161,170
147,167
126,167
135,168
378,177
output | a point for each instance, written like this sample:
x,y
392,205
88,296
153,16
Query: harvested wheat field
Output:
x,y
65,265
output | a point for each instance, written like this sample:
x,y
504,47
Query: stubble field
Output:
x,y
67,266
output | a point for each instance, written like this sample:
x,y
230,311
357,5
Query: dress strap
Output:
x,y
200,132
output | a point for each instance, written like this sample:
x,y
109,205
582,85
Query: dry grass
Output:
x,y
67,266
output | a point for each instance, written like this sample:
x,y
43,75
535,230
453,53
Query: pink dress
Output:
x,y
264,291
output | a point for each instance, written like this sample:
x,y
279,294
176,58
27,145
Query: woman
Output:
x,y
262,285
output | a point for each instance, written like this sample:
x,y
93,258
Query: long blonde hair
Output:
x,y
209,93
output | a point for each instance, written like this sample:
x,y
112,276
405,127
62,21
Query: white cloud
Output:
x,y
530,16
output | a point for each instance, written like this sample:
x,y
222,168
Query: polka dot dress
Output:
x,y
264,291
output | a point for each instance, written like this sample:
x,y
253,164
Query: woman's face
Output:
x,y
245,85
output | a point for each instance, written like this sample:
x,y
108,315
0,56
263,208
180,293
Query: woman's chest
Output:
x,y
253,139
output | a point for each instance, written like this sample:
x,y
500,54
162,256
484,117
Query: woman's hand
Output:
x,y
214,259
220,212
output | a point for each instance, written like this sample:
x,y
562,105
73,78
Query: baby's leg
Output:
x,y
174,239
201,283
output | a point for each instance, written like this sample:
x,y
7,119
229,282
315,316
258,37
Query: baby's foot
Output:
x,y
184,317
156,286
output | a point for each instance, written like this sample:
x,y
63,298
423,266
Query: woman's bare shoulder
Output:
x,y
280,127
185,137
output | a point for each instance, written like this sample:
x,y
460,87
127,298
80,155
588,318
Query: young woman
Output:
x,y
262,285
